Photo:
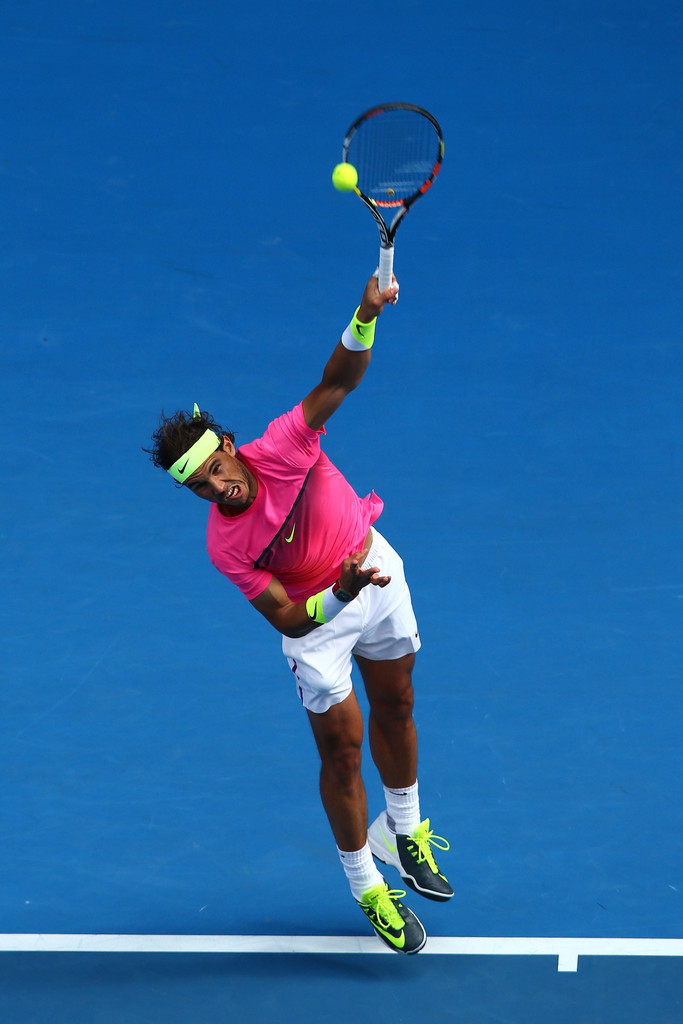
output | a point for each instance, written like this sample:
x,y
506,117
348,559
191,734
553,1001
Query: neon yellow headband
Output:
x,y
186,465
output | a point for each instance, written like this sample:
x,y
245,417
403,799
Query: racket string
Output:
x,y
395,154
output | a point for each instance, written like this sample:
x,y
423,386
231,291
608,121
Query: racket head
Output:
x,y
397,149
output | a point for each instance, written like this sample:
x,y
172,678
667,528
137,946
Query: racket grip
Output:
x,y
386,266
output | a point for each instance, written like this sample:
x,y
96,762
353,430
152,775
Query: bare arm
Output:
x,y
291,618
345,370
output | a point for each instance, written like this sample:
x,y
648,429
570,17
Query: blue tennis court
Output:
x,y
171,235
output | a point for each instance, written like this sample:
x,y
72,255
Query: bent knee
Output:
x,y
343,763
395,706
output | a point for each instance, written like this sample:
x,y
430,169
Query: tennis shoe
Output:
x,y
412,856
395,924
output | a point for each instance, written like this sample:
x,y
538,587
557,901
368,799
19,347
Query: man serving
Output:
x,y
287,528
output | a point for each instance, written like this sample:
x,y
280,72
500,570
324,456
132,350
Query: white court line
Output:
x,y
567,950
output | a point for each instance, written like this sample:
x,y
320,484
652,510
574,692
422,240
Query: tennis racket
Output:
x,y
397,149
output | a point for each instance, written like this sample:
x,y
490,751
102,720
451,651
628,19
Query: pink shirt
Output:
x,y
302,542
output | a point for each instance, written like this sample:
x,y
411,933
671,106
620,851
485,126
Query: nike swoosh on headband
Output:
x,y
192,459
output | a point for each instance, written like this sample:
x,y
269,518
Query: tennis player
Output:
x,y
287,528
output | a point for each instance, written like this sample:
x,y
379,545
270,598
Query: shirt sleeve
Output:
x,y
295,442
251,582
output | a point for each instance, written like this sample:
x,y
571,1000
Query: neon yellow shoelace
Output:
x,y
380,900
424,839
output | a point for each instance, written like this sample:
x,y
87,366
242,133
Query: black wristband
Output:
x,y
342,595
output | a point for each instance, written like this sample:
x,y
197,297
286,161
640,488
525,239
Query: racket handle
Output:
x,y
386,266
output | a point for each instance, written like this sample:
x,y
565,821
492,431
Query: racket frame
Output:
x,y
387,232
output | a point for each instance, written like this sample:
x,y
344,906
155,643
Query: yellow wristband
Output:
x,y
359,336
314,608
324,606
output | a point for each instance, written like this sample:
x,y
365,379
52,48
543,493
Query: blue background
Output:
x,y
170,235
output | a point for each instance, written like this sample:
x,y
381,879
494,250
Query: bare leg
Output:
x,y
339,737
392,733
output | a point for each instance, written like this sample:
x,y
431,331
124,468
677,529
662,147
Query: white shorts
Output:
x,y
379,625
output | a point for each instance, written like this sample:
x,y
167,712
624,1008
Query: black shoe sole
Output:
x,y
437,897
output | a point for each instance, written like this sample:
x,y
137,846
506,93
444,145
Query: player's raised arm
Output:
x,y
349,361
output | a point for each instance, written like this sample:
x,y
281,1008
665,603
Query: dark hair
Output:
x,y
177,433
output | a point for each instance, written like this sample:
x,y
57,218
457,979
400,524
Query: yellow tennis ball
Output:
x,y
345,177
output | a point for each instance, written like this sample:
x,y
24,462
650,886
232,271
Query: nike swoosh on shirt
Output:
x,y
288,540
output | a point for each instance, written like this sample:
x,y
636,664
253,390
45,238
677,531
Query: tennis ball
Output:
x,y
345,177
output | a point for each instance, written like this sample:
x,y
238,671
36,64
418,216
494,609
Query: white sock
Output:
x,y
403,809
360,869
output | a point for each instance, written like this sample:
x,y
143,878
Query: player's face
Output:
x,y
224,480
